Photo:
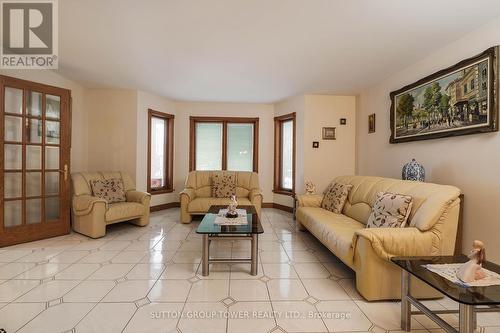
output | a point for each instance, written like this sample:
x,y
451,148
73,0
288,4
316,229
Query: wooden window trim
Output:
x,y
225,121
169,152
278,159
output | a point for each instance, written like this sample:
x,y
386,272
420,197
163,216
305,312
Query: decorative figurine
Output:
x,y
231,209
472,270
413,171
310,187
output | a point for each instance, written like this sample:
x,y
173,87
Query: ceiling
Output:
x,y
254,50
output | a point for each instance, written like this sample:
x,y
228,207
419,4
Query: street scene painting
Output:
x,y
455,101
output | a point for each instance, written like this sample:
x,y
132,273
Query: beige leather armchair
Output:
x,y
90,214
197,198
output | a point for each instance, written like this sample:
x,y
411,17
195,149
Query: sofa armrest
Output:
x,y
253,194
391,242
84,204
309,200
189,193
138,196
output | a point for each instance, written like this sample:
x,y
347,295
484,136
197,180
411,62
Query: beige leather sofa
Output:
x,y
197,198
90,214
431,231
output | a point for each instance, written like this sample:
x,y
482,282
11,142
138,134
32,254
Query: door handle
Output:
x,y
65,172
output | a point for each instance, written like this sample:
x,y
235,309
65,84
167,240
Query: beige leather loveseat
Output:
x,y
430,231
90,214
197,197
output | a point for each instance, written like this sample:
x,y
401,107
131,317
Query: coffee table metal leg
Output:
x,y
205,255
255,254
466,318
405,304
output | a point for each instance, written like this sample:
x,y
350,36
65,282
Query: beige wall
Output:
x,y
112,118
110,133
119,129
79,133
333,157
469,162
265,113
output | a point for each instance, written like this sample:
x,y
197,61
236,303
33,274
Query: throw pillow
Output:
x,y
335,198
390,211
223,185
111,190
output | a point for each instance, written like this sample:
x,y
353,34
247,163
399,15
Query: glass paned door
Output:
x,y
35,169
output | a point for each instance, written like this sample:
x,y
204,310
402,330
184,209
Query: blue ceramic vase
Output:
x,y
413,171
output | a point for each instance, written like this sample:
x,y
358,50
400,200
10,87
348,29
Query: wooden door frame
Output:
x,y
45,229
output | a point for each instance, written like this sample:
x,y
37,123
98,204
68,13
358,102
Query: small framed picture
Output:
x,y
315,144
329,133
343,121
371,123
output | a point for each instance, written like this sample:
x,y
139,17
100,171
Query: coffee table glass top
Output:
x,y
468,295
207,225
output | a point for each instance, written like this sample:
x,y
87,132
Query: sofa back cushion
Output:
x,y
429,200
81,181
201,182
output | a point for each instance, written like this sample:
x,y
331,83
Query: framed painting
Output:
x,y
329,133
371,123
458,100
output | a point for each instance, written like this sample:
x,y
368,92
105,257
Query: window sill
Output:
x,y
284,192
163,191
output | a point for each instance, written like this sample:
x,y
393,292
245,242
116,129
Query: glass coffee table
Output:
x,y
470,299
211,231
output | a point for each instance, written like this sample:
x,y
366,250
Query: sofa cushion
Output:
x,y
390,210
123,210
111,190
335,231
335,198
201,205
223,185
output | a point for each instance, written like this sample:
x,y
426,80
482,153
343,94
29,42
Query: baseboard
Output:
x,y
178,204
164,206
277,206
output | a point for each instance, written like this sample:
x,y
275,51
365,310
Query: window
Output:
x,y
219,143
160,152
465,89
472,86
284,154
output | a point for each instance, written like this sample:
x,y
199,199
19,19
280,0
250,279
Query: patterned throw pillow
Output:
x,y
390,211
111,190
223,185
335,198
